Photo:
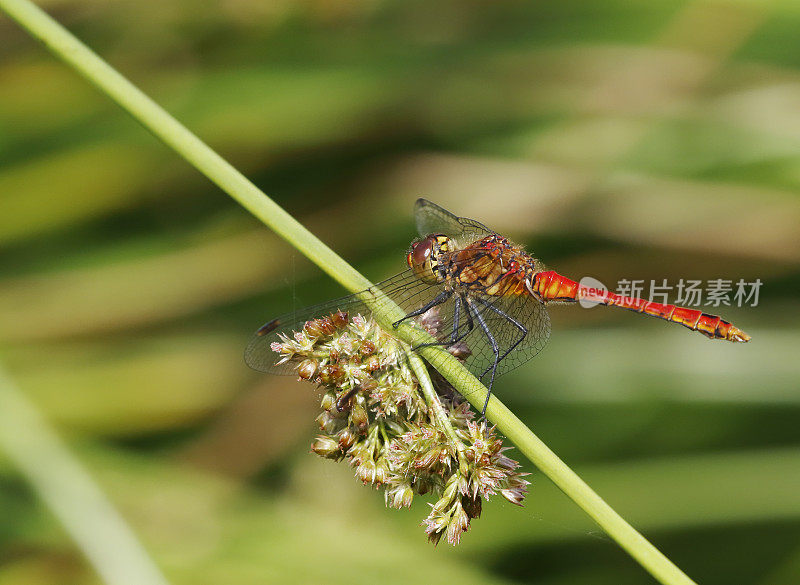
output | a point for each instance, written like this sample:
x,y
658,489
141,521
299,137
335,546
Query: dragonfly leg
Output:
x,y
440,298
522,329
470,324
454,336
495,349
456,319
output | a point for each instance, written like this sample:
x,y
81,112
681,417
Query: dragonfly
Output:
x,y
480,295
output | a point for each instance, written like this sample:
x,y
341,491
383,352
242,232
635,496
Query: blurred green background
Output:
x,y
615,139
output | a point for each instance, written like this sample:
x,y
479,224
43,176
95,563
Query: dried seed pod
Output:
x,y
326,447
347,439
359,417
339,319
307,369
326,325
328,400
313,329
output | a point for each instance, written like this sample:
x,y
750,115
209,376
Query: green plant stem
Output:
x,y
64,45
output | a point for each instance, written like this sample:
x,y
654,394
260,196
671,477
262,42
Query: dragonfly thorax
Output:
x,y
425,257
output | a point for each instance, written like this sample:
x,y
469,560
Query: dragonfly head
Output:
x,y
424,258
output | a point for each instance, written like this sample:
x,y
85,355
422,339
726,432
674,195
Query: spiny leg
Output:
x,y
495,349
522,329
470,324
456,319
454,336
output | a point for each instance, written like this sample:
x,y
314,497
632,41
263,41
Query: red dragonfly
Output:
x,y
480,295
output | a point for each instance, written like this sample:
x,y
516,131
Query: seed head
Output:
x,y
374,416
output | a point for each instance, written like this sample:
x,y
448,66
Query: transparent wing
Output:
x,y
405,289
519,325
500,315
432,219
410,293
497,314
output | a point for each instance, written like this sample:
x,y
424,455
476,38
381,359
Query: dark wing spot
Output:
x,y
268,327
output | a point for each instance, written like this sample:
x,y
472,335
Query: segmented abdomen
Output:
x,y
551,286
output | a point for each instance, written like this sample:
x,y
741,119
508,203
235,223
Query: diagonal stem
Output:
x,y
99,73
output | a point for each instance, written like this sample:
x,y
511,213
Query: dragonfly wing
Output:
x,y
499,314
405,289
409,292
502,316
259,354
432,219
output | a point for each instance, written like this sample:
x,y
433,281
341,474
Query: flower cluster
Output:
x,y
374,415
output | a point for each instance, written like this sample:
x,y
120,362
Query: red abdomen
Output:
x,y
551,286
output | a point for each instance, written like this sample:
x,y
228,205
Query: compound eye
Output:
x,y
421,251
